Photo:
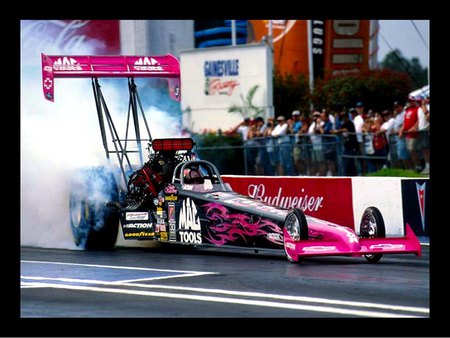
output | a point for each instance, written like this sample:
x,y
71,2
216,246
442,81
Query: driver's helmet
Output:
x,y
193,176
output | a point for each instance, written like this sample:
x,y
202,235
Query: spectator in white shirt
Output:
x,y
358,122
285,164
424,133
402,153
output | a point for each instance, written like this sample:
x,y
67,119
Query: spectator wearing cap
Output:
x,y
254,128
401,153
338,110
379,142
330,116
296,122
387,127
270,147
303,142
352,114
409,129
251,145
257,132
295,127
358,122
318,167
347,130
424,133
285,163
329,142
250,148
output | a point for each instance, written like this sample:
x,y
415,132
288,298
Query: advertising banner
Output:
x,y
416,205
326,198
218,78
101,37
336,45
318,47
347,46
342,200
290,44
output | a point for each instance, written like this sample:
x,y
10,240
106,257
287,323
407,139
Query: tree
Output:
x,y
378,89
395,60
248,109
225,151
290,93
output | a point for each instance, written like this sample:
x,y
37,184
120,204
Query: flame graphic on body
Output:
x,y
230,227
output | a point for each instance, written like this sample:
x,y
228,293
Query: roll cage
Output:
x,y
209,171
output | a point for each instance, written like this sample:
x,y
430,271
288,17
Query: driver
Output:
x,y
193,176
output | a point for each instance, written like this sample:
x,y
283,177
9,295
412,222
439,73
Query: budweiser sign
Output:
x,y
301,201
328,199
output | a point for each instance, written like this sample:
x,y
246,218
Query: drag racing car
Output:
x,y
175,197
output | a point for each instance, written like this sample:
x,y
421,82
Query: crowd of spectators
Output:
x,y
341,141
359,140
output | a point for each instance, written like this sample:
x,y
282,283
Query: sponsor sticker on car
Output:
x,y
136,216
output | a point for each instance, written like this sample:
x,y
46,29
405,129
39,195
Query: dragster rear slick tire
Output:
x,y
93,222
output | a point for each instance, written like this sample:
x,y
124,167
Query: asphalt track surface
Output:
x,y
177,282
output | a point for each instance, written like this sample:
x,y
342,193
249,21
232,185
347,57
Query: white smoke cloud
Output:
x,y
61,137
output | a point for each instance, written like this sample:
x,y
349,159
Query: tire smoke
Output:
x,y
57,139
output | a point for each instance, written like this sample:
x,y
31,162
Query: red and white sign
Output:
x,y
324,198
346,46
100,37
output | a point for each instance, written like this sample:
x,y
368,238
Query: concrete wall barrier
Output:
x,y
342,200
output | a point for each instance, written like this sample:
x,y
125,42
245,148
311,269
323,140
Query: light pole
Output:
x,y
310,60
233,32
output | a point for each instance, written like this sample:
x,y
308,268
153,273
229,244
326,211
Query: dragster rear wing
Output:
x,y
89,66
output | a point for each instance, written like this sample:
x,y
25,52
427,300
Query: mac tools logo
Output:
x,y
146,63
66,63
189,223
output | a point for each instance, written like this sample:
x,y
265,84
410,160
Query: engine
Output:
x,y
145,183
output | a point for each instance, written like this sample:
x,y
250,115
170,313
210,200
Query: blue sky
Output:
x,y
402,35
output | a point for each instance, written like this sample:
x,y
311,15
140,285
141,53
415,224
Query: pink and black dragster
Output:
x,y
174,197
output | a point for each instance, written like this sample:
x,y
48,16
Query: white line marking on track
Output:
x,y
286,297
244,294
167,277
28,285
40,282
304,307
117,267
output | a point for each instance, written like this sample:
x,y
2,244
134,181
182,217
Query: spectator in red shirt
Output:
x,y
409,129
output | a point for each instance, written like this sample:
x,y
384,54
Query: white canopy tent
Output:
x,y
424,92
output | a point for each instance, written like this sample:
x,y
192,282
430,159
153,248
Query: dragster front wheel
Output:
x,y
372,226
297,229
